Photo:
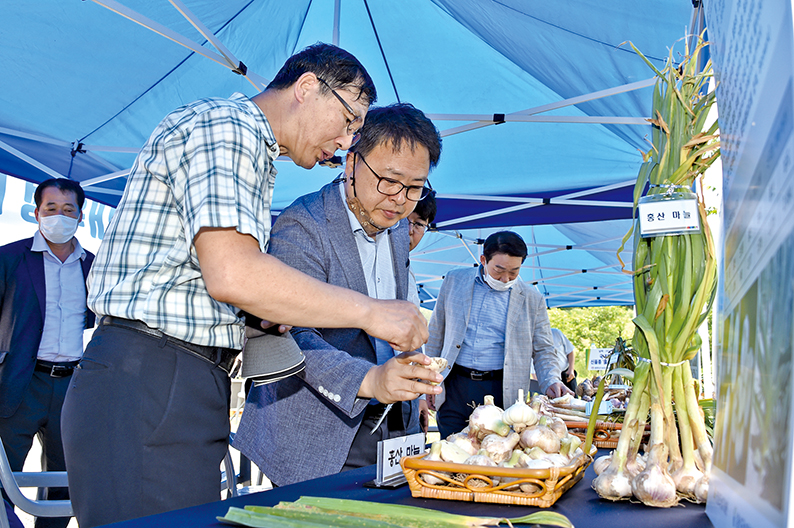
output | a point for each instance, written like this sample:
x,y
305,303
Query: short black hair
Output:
x,y
395,124
64,185
506,242
426,208
335,66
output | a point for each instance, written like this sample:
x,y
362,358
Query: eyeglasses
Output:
x,y
418,225
356,118
391,187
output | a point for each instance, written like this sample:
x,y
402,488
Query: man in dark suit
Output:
x,y
42,317
352,233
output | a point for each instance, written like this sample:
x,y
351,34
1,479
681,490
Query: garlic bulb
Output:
x,y
487,419
520,415
450,452
635,465
499,448
612,483
434,455
540,435
480,459
601,463
510,463
465,442
569,446
702,488
558,426
654,486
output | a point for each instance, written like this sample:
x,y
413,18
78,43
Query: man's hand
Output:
x,y
399,323
557,389
399,380
424,414
569,374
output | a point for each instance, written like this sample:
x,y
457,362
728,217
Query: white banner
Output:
x,y
17,220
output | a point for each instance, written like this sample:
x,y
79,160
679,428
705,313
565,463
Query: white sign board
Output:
x,y
668,217
598,358
752,45
391,451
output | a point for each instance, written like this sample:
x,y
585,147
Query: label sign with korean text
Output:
x,y
669,217
392,450
599,358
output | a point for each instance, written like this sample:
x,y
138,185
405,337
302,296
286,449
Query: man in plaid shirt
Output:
x,y
145,422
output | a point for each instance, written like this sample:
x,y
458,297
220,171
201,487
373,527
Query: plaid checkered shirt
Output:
x,y
208,164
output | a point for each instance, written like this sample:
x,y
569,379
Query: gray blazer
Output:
x,y
527,333
302,427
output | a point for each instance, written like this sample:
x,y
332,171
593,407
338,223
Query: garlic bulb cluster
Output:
x,y
487,419
520,415
514,438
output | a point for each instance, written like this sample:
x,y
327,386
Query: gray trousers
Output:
x,y
145,426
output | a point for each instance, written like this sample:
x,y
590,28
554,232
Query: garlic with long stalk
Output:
x,y
614,482
653,485
539,435
520,415
487,419
499,448
688,475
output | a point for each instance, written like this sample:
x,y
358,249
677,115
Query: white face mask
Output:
x,y
58,229
497,284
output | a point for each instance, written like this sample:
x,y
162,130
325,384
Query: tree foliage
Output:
x,y
599,325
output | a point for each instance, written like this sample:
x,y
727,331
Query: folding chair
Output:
x,y
13,481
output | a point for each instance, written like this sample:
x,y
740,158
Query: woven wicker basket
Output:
x,y
605,436
482,484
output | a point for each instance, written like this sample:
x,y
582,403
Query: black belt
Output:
x,y
477,375
56,370
221,357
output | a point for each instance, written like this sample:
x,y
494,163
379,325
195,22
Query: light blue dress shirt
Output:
x,y
65,310
483,346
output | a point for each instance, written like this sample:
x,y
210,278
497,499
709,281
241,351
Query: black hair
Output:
x,y
335,66
426,208
506,242
64,185
395,124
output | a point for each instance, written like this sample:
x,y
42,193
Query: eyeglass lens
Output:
x,y
356,135
391,187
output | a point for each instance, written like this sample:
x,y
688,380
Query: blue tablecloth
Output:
x,y
580,504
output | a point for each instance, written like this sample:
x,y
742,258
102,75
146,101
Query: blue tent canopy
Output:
x,y
542,105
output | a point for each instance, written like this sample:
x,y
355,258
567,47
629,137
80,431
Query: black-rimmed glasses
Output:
x,y
391,187
418,225
350,122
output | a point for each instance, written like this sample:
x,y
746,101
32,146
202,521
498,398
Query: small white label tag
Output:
x,y
669,217
598,358
391,451
604,408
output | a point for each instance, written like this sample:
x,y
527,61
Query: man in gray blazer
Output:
x,y
489,327
352,234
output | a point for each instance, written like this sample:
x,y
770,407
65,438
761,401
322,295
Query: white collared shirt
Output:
x,y
376,260
65,310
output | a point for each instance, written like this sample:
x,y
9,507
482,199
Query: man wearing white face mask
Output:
x,y
490,326
42,317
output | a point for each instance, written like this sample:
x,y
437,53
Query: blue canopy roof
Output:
x,y
541,105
